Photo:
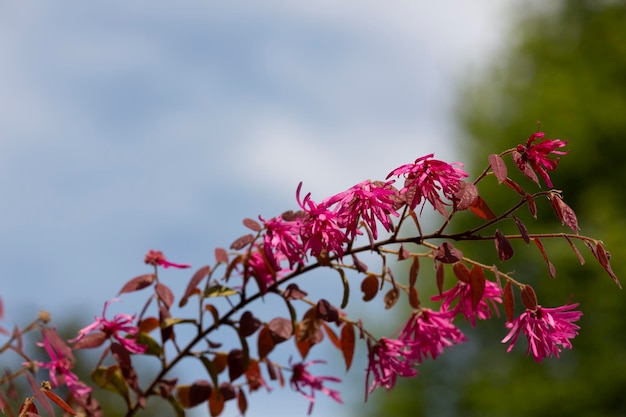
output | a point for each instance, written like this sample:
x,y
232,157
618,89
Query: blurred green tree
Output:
x,y
566,68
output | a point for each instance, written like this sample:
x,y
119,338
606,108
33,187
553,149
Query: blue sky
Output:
x,y
129,126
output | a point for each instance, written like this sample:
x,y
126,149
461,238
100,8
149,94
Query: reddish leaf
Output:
x,y
242,402
227,391
477,285
293,292
509,302
252,225
237,363
498,166
253,376
576,251
303,344
28,406
514,186
219,362
211,309
91,340
603,257
326,311
522,229
523,166
347,344
414,300
193,284
403,253
165,294
462,272
331,335
480,208
529,298
216,403
413,272
167,332
248,324
137,283
242,242
391,298
503,246
564,213
465,196
221,256
58,401
280,329
448,254
148,324
551,268
358,265
369,286
440,276
532,207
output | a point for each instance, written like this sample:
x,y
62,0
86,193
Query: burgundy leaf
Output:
x,y
326,311
91,340
509,302
603,257
165,294
529,298
503,246
551,268
564,213
228,391
514,186
448,254
522,229
477,285
391,298
369,286
413,272
360,266
280,329
532,207
403,253
498,166
462,272
293,292
576,251
248,324
221,256
137,283
465,196
242,242
480,208
523,166
236,364
193,284
414,300
252,225
199,392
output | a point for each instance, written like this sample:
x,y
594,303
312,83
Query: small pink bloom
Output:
x,y
537,155
61,363
461,293
301,379
547,329
121,323
320,231
426,178
431,332
370,201
389,358
283,238
156,258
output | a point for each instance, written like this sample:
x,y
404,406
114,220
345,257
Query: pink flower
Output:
x,y
320,231
261,270
121,323
389,358
156,258
61,363
537,156
461,293
547,329
301,379
431,332
367,200
283,238
427,178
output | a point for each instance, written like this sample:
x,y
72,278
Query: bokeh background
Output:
x,y
130,126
